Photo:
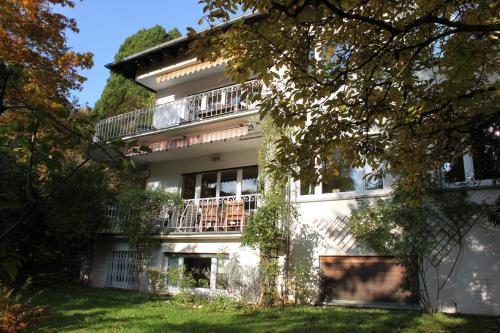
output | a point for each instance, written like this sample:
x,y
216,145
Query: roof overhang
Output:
x,y
129,66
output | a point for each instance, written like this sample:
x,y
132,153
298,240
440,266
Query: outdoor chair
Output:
x,y
234,215
209,216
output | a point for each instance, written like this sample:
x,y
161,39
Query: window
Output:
x,y
228,183
188,186
345,181
482,163
485,158
306,189
209,185
454,171
249,184
173,264
223,183
199,267
356,180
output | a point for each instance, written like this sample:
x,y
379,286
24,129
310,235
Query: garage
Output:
x,y
367,279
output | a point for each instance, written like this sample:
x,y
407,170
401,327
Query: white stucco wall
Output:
x,y
474,286
231,247
167,175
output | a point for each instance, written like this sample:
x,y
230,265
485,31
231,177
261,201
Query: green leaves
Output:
x,y
414,73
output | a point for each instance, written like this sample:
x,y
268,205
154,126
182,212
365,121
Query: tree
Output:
x,y
38,71
121,95
45,138
408,84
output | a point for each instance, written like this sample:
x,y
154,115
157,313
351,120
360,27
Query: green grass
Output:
x,y
71,308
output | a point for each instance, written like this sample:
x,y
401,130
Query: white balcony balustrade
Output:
x,y
222,101
224,214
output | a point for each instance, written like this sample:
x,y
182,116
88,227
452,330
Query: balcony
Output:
x,y
214,103
208,215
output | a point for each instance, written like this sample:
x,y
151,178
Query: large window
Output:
x,y
223,183
354,180
206,270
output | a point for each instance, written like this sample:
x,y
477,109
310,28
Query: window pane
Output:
x,y
454,171
306,189
188,186
343,182
228,183
485,151
222,278
199,270
209,185
249,184
173,271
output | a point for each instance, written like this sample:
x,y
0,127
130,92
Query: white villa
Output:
x,y
204,139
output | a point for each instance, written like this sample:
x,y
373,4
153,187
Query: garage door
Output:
x,y
365,278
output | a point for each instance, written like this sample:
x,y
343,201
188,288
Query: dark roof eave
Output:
x,y
128,66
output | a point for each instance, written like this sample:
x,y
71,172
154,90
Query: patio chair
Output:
x,y
209,216
189,219
234,215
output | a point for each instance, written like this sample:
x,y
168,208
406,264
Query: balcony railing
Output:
x,y
224,214
193,108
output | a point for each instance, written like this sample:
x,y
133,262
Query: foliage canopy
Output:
x,y
412,84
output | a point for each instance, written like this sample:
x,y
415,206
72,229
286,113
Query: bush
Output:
x,y
156,278
223,303
304,284
242,283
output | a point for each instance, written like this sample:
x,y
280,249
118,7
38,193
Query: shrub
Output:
x,y
156,278
303,284
223,303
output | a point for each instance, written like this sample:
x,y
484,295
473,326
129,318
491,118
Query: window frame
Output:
x,y
318,189
469,176
214,257
239,181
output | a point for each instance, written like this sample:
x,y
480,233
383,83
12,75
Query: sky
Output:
x,y
104,25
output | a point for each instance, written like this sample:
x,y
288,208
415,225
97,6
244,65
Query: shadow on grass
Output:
x,y
82,309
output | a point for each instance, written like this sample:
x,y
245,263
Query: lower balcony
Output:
x,y
207,215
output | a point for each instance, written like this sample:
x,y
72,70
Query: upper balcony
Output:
x,y
210,105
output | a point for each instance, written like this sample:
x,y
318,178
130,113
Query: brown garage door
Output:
x,y
365,278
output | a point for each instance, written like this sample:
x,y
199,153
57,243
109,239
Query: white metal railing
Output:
x,y
224,214
204,105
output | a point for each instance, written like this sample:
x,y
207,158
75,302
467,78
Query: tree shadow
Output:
x,y
82,309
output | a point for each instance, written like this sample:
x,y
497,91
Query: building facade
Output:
x,y
203,135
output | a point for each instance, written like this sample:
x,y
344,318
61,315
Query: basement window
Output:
x,y
202,269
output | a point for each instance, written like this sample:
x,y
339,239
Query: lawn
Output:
x,y
72,308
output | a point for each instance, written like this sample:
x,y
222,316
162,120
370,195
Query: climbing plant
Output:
x,y
145,213
420,237
269,228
